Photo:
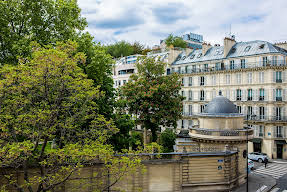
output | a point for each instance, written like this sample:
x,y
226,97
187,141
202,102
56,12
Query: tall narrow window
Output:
x,y
261,94
279,132
261,112
264,61
239,109
227,78
202,95
189,110
238,77
238,94
274,60
278,76
242,63
261,77
278,94
190,95
201,80
231,64
249,78
202,108
205,67
249,98
190,81
278,113
217,66
261,131
249,112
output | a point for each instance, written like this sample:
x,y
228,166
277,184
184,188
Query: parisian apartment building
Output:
x,y
250,74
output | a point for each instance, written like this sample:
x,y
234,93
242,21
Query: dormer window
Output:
x,y
233,50
192,56
179,57
247,48
261,46
199,55
183,58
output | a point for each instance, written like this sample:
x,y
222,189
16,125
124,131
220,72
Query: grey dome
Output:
x,y
220,105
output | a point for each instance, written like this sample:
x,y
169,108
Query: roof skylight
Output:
x,y
247,48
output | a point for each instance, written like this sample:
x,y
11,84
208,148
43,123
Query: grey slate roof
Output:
x,y
238,50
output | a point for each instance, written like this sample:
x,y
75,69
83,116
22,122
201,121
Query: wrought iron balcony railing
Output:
x,y
265,118
238,66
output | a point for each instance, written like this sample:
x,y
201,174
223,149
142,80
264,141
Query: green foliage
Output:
x,y
51,98
153,97
136,139
98,67
43,21
175,41
123,48
167,140
122,139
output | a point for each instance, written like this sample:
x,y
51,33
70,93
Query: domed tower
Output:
x,y
221,129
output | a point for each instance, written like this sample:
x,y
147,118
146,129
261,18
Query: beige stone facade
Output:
x,y
250,74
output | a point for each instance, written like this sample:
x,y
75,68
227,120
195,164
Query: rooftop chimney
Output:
x,y
282,45
205,47
228,43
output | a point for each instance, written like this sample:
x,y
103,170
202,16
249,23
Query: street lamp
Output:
x,y
246,154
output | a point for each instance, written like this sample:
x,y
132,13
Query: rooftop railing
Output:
x,y
248,65
221,133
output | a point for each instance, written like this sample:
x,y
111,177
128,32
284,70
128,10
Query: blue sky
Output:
x,y
148,21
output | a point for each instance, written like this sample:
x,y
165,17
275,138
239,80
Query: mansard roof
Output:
x,y
239,49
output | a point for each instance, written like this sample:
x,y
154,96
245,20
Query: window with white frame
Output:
x,y
261,112
227,79
238,78
202,95
261,131
261,94
202,108
242,63
213,79
189,110
264,61
261,77
189,81
228,94
239,108
249,78
202,80
190,95
274,60
231,64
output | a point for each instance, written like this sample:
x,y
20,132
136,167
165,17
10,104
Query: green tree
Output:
x,y
43,21
167,140
175,41
152,96
120,49
50,98
98,67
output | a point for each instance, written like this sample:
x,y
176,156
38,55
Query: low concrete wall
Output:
x,y
174,172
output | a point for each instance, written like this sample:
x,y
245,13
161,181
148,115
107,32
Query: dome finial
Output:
x,y
220,93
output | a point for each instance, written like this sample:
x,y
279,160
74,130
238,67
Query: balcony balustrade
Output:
x,y
238,66
218,134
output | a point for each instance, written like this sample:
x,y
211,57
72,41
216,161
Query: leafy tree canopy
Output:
x,y
50,99
175,41
98,67
43,21
123,48
152,96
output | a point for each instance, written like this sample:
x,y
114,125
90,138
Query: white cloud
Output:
x,y
148,21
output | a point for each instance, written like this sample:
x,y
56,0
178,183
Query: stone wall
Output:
x,y
179,172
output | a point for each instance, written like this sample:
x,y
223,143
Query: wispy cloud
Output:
x,y
148,21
